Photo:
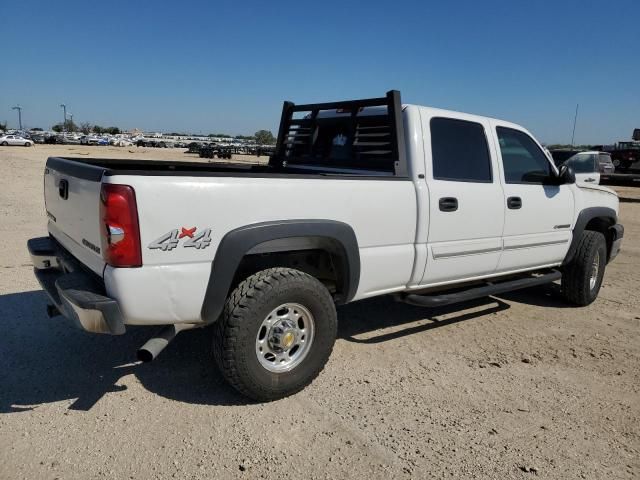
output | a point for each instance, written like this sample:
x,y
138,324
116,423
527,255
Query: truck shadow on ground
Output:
x,y
47,360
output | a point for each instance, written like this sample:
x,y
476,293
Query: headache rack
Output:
x,y
353,136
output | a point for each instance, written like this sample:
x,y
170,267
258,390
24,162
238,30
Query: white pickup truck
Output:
x,y
361,198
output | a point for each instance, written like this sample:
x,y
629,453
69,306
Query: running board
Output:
x,y
479,292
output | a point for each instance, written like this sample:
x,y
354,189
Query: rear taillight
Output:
x,y
119,226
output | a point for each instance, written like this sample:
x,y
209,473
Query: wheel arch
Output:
x,y
337,238
599,219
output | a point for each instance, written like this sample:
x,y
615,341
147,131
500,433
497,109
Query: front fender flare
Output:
x,y
584,217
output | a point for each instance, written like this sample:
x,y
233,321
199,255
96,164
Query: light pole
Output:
x,y
71,119
575,119
19,108
64,123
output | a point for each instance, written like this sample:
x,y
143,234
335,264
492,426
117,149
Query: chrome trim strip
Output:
x,y
466,252
537,244
496,249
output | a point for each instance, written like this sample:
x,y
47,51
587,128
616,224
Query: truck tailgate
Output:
x,y
72,200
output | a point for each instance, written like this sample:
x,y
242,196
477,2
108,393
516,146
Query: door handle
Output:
x,y
514,203
590,180
448,204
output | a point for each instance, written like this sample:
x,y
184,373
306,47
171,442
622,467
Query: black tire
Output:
x,y
27,144
4,144
235,333
576,277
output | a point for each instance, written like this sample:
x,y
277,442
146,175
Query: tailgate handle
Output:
x,y
63,189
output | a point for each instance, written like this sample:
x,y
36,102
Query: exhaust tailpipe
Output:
x,y
150,350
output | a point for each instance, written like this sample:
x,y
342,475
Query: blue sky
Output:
x,y
227,66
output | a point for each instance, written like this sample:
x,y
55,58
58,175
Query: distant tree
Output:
x,y
85,127
37,129
219,135
97,129
112,130
567,146
68,126
3,125
264,137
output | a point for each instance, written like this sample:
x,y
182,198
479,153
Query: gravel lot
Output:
x,y
519,386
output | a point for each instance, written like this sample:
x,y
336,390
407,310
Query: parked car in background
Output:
x,y
15,140
89,140
194,147
562,155
68,139
38,137
121,142
590,167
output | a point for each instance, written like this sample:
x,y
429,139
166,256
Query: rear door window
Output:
x,y
604,159
460,151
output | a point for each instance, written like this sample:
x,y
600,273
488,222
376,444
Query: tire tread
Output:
x,y
227,329
575,284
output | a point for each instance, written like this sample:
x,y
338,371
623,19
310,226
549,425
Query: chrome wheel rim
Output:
x,y
285,337
595,267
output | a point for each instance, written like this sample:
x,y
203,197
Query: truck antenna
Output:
x,y
575,119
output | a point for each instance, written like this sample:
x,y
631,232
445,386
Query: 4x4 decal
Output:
x,y
171,239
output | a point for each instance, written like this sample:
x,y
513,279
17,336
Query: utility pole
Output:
x,y
575,119
19,108
64,123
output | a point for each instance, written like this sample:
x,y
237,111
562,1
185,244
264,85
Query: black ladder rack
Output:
x,y
373,141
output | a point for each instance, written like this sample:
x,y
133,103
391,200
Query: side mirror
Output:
x,y
566,175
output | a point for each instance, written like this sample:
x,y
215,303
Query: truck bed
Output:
x,y
113,166
95,168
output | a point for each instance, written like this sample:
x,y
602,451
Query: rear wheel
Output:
x,y
4,144
276,333
582,278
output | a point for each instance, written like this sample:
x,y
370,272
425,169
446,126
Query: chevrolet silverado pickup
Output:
x,y
360,198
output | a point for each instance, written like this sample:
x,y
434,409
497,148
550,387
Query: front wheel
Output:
x,y
27,144
276,333
4,144
582,277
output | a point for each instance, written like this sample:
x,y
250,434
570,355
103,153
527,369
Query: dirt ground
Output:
x,y
519,386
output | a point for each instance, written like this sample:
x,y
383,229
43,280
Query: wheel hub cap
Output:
x,y
285,337
282,335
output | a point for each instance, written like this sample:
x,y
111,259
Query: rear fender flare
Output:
x,y
237,243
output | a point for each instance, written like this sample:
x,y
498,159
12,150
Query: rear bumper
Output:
x,y
617,235
78,295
